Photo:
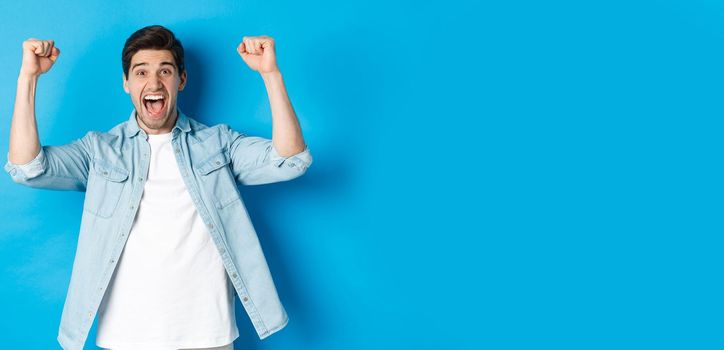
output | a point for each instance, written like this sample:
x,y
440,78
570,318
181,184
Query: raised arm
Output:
x,y
260,55
63,167
257,160
38,57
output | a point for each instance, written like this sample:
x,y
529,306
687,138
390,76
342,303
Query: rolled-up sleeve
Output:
x,y
301,160
255,160
62,167
29,170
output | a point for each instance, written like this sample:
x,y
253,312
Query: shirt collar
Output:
x,y
182,123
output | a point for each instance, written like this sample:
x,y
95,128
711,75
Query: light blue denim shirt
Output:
x,y
111,167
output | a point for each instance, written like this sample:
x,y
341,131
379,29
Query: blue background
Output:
x,y
488,175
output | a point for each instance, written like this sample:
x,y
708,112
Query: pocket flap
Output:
x,y
214,162
110,172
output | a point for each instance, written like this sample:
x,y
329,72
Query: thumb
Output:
x,y
37,48
54,54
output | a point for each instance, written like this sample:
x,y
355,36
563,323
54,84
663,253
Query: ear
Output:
x,y
125,84
183,81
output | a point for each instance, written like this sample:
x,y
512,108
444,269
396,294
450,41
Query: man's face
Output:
x,y
153,83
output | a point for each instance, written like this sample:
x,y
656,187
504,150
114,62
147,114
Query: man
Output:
x,y
165,240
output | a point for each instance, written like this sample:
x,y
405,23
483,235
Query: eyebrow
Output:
x,y
164,63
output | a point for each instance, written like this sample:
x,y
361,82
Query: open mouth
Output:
x,y
154,104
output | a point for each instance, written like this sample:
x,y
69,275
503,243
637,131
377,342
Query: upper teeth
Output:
x,y
153,97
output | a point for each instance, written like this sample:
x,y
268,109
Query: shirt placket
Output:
x,y
124,228
185,169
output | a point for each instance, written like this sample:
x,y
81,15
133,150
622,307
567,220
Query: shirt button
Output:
x,y
131,207
90,314
105,173
222,250
211,226
233,275
140,179
112,261
218,162
178,150
245,299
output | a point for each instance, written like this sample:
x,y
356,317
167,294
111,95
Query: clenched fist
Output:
x,y
38,56
258,53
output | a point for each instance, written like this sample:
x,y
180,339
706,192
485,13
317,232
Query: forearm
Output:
x,y
24,142
286,132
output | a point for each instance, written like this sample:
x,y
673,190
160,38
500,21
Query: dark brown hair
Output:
x,y
154,37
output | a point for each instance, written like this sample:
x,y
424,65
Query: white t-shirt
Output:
x,y
170,289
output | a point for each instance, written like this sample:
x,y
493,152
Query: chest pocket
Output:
x,y
105,186
218,180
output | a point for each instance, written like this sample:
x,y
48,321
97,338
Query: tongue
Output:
x,y
155,106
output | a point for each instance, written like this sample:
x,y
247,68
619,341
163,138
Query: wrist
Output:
x,y
23,76
272,74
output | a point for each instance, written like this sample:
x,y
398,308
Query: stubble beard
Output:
x,y
156,124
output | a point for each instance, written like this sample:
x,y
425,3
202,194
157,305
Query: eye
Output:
x,y
166,71
140,72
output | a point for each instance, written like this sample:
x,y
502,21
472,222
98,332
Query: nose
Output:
x,y
154,82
